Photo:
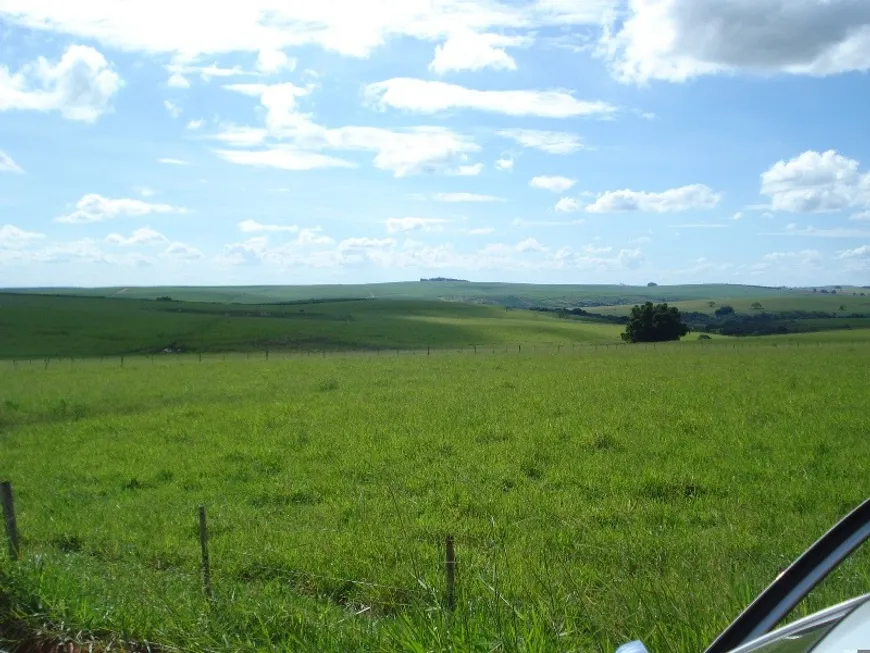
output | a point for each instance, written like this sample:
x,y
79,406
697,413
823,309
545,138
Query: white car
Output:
x,y
843,628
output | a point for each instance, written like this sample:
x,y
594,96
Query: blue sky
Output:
x,y
571,141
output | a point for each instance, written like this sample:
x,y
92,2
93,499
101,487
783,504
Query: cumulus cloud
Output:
x,y
684,198
567,205
470,170
193,125
504,164
12,237
547,141
80,85
676,40
173,109
8,165
859,252
470,50
96,208
283,157
424,96
143,236
553,184
181,251
816,182
863,216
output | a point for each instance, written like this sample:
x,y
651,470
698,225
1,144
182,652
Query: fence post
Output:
x,y
46,363
9,518
203,540
122,361
519,349
475,349
450,570
428,350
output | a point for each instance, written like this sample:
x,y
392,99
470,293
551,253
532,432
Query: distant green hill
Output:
x,y
42,325
506,294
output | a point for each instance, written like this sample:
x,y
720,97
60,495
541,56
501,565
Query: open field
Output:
x,y
506,294
594,494
36,326
775,303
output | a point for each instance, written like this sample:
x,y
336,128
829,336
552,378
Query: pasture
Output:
x,y
595,494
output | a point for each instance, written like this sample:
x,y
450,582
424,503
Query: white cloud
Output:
x,y
145,191
240,135
858,252
173,162
8,165
701,225
469,50
95,208
12,237
676,40
282,157
252,226
80,85
567,205
504,164
806,256
173,109
274,61
181,251
737,216
400,225
863,216
546,141
695,196
425,96
347,27
810,231
519,222
179,71
177,80
554,184
471,170
465,197
480,231
193,125
816,182
365,243
143,236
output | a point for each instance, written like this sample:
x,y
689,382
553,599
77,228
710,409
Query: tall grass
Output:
x,y
594,496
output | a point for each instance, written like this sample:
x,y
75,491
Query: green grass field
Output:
x,y
775,303
595,494
35,326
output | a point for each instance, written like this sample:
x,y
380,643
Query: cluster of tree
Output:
x,y
654,323
731,323
579,312
164,298
445,279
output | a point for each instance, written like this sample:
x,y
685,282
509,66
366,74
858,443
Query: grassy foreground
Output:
x,y
594,495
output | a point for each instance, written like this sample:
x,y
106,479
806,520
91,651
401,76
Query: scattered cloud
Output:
x,y
424,96
469,50
401,225
810,231
815,182
79,86
143,236
252,226
547,141
8,165
12,237
173,162
480,231
701,225
145,191
470,170
193,125
567,205
863,216
677,40
270,62
554,184
181,251
859,252
738,216
173,109
505,164
695,196
465,197
283,157
96,208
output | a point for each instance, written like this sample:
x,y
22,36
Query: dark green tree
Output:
x,y
654,323
724,311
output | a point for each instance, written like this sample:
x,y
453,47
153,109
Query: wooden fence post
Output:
x,y
9,518
203,540
122,361
450,570
428,350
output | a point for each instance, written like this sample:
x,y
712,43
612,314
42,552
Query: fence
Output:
x,y
54,362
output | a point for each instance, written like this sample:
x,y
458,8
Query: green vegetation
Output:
x,y
35,326
518,295
654,323
595,495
